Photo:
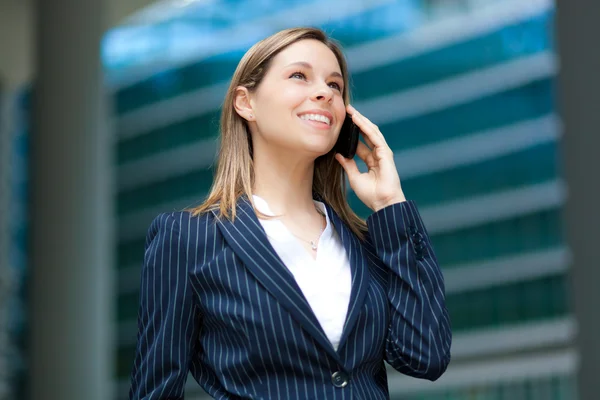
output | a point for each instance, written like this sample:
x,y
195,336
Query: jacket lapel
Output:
x,y
359,269
249,241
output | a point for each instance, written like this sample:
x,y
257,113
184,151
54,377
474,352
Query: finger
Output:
x,y
364,153
369,130
367,140
379,148
349,166
367,121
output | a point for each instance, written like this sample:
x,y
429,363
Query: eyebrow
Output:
x,y
307,65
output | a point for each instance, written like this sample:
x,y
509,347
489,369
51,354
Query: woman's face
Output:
x,y
299,105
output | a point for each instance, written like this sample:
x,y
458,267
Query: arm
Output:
x,y
419,337
419,333
167,318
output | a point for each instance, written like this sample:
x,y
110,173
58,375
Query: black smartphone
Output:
x,y
348,140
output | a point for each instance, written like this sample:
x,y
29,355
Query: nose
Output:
x,y
323,93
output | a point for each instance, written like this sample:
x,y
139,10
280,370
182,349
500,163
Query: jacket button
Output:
x,y
340,379
418,237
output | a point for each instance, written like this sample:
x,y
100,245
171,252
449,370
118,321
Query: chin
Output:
x,y
315,145
318,149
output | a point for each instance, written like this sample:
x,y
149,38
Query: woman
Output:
x,y
273,288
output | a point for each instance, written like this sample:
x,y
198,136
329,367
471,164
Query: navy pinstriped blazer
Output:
x,y
217,300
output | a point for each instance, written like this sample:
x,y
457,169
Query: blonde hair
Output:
x,y
234,176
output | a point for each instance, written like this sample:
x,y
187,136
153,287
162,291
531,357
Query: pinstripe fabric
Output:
x,y
216,300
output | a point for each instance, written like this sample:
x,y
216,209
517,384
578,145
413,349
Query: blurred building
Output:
x,y
14,129
465,93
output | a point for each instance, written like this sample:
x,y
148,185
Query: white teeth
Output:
x,y
316,117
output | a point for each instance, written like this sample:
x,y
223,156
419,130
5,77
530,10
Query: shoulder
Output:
x,y
191,237
183,226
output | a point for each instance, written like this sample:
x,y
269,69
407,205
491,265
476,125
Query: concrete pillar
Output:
x,y
578,27
71,352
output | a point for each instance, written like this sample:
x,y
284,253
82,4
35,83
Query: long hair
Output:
x,y
234,176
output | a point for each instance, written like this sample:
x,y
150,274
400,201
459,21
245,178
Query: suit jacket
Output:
x,y
216,300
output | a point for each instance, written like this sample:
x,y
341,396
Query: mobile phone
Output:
x,y
348,140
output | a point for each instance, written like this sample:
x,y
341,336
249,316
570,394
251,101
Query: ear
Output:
x,y
243,104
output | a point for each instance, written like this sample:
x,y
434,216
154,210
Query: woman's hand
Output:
x,y
379,187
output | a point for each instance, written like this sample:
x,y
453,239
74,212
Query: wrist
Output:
x,y
399,198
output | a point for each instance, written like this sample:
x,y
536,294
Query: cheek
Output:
x,y
292,96
278,96
282,104
340,112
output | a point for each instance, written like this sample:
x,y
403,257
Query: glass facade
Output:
x,y
14,226
464,92
555,388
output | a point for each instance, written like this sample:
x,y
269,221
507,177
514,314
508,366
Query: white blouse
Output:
x,y
325,282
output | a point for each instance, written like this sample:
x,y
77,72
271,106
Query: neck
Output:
x,y
284,181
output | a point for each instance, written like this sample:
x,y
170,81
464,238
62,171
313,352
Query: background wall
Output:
x,y
465,94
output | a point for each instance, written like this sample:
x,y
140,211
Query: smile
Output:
x,y
316,117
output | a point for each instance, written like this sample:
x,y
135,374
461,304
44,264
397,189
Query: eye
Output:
x,y
298,74
335,86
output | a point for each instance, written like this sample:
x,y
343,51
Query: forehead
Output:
x,y
311,51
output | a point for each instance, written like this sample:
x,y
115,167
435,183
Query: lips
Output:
x,y
321,116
